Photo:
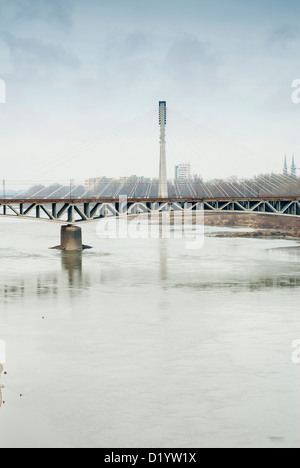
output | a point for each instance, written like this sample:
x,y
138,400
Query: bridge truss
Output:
x,y
73,211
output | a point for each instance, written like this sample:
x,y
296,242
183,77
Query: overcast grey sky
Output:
x,y
75,69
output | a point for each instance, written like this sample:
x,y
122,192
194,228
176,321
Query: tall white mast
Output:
x,y
163,182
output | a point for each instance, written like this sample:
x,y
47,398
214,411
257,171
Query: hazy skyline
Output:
x,y
74,70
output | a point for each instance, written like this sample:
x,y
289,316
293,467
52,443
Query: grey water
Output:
x,y
143,343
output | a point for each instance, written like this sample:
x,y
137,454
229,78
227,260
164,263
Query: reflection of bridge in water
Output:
x,y
74,278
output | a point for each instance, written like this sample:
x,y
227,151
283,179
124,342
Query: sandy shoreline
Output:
x,y
263,226
258,234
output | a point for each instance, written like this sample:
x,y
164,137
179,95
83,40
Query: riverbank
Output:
x,y
285,224
260,234
262,225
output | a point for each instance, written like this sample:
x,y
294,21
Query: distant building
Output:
x,y
92,184
183,171
128,179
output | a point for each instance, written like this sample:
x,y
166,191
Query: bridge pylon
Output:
x,y
163,181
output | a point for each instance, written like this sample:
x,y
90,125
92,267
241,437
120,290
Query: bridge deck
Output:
x,y
4,201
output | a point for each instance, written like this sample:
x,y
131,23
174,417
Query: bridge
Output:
x,y
76,211
72,205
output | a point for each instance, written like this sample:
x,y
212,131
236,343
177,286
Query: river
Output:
x,y
143,343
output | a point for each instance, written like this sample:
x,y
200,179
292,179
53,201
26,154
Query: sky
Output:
x,y
76,71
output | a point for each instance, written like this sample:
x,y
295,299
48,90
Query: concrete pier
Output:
x,y
71,238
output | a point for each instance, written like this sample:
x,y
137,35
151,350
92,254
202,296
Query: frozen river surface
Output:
x,y
142,343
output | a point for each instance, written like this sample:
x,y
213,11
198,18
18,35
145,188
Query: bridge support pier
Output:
x,y
71,238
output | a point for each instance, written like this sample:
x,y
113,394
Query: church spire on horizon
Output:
x,y
285,168
293,168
